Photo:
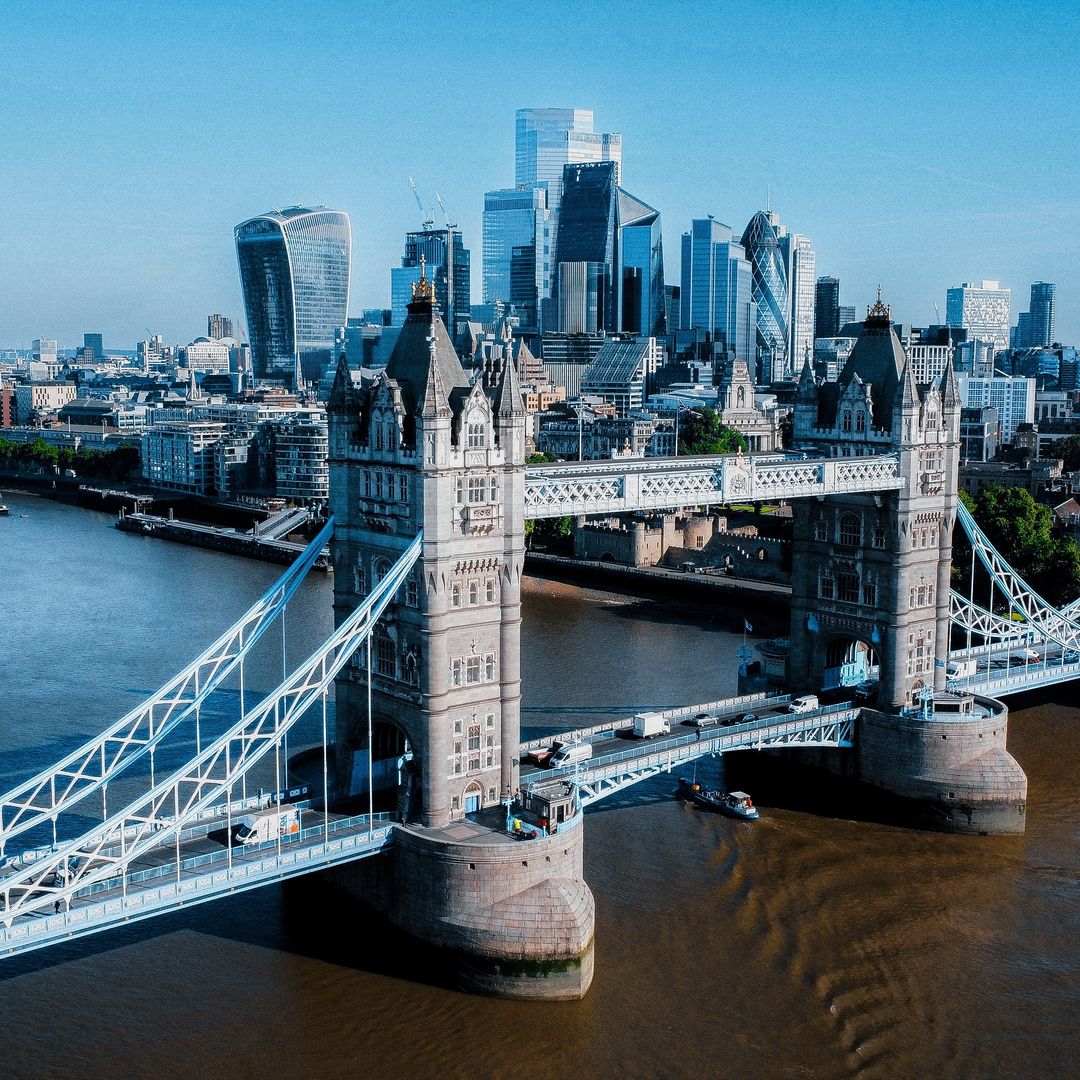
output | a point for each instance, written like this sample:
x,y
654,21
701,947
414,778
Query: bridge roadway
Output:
x,y
752,722
202,867
1004,669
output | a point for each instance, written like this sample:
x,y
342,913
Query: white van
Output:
x,y
806,703
570,754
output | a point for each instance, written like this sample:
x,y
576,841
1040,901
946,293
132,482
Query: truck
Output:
x,y
647,725
961,669
263,825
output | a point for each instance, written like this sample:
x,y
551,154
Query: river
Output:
x,y
803,945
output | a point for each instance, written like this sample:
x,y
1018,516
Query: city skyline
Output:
x,y
129,172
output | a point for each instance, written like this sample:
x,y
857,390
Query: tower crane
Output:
x,y
427,216
446,217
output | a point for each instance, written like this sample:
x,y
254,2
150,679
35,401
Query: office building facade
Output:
x,y
447,263
716,293
983,310
219,326
1012,398
771,298
516,250
1035,327
827,307
800,265
294,273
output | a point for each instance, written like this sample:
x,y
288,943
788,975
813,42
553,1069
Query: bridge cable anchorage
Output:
x,y
1040,616
157,817
57,789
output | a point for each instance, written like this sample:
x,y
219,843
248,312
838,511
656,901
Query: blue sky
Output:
x,y
918,145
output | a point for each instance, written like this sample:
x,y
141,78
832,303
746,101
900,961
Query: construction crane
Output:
x,y
427,216
446,217
937,312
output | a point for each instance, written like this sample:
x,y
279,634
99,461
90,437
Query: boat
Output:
x,y
735,804
4,508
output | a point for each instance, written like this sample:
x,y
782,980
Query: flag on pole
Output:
x,y
746,626
938,662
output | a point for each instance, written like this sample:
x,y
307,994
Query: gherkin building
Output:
x,y
770,296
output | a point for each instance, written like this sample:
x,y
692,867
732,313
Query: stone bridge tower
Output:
x,y
871,581
422,448
871,584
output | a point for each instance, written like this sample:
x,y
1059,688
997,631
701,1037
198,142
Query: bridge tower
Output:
x,y
871,583
423,448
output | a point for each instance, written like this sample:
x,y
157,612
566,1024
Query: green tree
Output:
x,y
1068,450
701,432
1023,532
540,459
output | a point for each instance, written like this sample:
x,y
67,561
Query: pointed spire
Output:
x,y
909,390
342,395
434,401
508,401
807,382
950,387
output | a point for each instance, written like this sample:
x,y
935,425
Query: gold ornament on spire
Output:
x,y
879,310
423,289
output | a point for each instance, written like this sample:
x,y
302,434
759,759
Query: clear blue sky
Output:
x,y
918,145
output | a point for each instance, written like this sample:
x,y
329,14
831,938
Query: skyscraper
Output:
x,y
1041,315
800,265
546,141
219,326
827,307
448,266
94,343
716,294
770,296
609,256
294,273
982,310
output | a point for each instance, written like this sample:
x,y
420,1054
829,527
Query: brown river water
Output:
x,y
807,944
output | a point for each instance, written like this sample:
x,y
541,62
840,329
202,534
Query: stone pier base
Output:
x,y
954,772
515,916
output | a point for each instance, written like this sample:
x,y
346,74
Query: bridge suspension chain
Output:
x,y
1039,615
159,816
43,798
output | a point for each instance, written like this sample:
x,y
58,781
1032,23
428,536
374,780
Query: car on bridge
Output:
x,y
806,703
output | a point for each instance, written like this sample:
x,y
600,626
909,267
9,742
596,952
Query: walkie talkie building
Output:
x,y
294,272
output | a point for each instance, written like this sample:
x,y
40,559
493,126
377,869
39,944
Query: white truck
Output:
x,y
648,725
265,825
570,754
960,669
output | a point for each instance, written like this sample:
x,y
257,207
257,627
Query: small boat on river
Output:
x,y
736,804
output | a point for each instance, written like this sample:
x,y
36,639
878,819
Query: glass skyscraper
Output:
x,y
770,297
800,265
716,292
294,273
515,219
641,302
448,264
827,308
1041,314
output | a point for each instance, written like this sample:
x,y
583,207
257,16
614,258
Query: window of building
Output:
x,y
846,425
877,536
457,731
472,669
477,489
850,530
490,590
455,594
378,436
381,568
821,529
378,484
826,586
385,654
359,579
412,597
477,435
489,667
869,594
474,593
860,422
456,666
403,488
489,720
460,490
367,483
847,587
474,737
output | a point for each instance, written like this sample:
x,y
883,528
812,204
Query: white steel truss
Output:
x,y
609,487
1039,615
992,627
43,798
159,817
600,777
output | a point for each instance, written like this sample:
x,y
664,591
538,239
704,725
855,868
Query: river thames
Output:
x,y
806,944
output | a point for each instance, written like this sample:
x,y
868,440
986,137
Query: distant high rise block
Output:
x,y
982,310
448,266
827,307
770,296
219,326
93,342
294,273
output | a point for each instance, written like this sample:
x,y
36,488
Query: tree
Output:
x,y
1022,530
1068,450
540,459
701,432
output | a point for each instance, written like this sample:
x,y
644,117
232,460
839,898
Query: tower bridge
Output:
x,y
430,493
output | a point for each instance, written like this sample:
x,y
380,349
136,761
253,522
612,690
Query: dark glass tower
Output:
x,y
448,265
827,307
294,273
1042,313
770,297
